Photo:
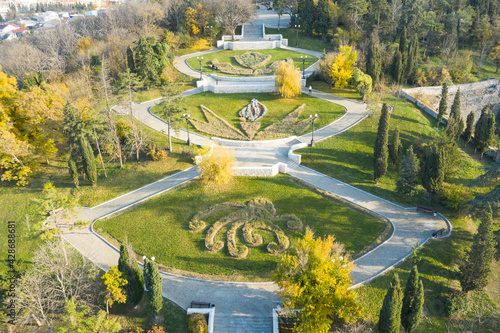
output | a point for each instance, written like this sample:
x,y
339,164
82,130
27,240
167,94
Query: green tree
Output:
x,y
73,170
403,48
474,272
172,107
279,7
308,16
88,160
408,171
469,128
374,58
390,314
413,301
411,61
322,20
134,289
314,277
380,153
75,319
130,59
454,119
397,67
484,132
362,82
443,104
154,286
151,58
433,171
395,147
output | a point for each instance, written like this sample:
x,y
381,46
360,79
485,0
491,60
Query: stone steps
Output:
x,y
227,323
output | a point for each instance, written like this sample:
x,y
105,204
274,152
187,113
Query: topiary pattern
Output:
x,y
254,215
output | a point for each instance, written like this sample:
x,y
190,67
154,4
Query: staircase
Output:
x,y
228,323
253,32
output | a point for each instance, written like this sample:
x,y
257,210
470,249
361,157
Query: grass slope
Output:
x,y
304,41
160,227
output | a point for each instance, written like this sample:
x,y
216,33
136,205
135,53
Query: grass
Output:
x,y
227,106
160,227
228,56
347,92
304,41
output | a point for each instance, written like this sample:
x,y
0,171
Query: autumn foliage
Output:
x,y
215,165
288,80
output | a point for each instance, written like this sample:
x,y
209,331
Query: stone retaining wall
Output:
x,y
264,171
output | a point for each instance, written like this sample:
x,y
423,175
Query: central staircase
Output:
x,y
229,323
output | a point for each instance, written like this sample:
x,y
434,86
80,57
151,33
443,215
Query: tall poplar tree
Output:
x,y
453,126
469,127
390,314
411,61
476,269
374,58
403,40
413,301
443,104
397,67
380,153
323,18
395,146
155,288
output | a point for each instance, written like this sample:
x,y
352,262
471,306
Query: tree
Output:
x,y
343,66
114,291
380,153
130,59
453,126
408,171
475,270
495,56
88,160
433,171
362,82
215,165
172,107
134,289
130,83
325,65
390,314
151,58
288,80
413,301
315,278
403,48
484,131
374,58
279,7
196,19
443,104
322,20
411,61
75,319
395,147
73,170
469,128
397,67
231,13
307,13
153,281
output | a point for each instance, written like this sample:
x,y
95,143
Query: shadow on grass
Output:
x,y
258,267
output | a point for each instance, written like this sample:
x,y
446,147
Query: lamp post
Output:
x,y
303,66
210,27
186,116
297,39
312,132
201,70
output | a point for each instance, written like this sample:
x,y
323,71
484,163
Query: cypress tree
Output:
x,y
402,48
411,61
397,67
380,153
127,264
443,104
88,160
147,274
433,172
155,291
454,119
374,58
73,170
461,127
323,18
485,130
408,171
123,261
413,301
469,128
395,147
130,59
390,314
477,267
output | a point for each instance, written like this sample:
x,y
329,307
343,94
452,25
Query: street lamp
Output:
x,y
297,40
312,132
303,64
201,70
210,27
186,116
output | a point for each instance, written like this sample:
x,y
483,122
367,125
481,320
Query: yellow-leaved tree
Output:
x,y
314,278
215,165
288,79
114,291
343,66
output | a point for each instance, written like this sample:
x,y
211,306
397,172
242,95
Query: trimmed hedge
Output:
x,y
197,323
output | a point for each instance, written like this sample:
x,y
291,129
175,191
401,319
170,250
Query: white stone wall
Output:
x,y
269,171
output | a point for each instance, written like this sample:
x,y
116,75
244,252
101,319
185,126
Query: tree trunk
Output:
x,y
279,20
100,155
107,309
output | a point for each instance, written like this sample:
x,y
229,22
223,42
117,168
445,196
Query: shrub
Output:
x,y
197,323
238,252
453,197
288,80
252,60
156,153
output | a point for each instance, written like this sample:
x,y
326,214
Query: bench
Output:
x,y
201,305
426,209
438,233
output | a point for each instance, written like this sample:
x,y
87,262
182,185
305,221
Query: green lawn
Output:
x,y
305,42
227,106
347,92
228,56
160,227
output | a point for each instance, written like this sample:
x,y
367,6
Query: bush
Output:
x,y
197,323
156,153
252,60
453,197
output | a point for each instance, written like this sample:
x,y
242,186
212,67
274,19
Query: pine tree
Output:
x,y
73,170
307,16
397,67
443,104
123,261
155,289
403,48
408,171
390,314
477,267
433,172
380,153
461,127
469,128
88,160
130,59
323,18
395,147
411,61
374,58
132,273
413,301
454,119
485,131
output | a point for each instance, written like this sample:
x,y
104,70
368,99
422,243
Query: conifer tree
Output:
x,y
156,288
395,146
454,119
123,261
73,170
411,61
477,267
408,171
443,104
374,58
485,131
88,160
433,171
130,59
403,48
469,128
390,314
380,153
322,18
397,67
132,273
413,301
